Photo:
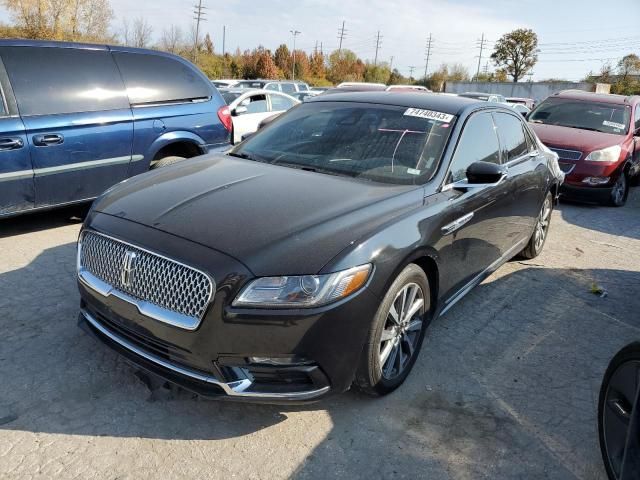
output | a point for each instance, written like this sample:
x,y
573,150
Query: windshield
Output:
x,y
249,84
229,97
599,117
388,144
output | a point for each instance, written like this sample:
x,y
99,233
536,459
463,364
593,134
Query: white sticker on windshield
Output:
x,y
429,115
619,126
413,171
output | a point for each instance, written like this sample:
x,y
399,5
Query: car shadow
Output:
x,y
39,221
621,222
506,382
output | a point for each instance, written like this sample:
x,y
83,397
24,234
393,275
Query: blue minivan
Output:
x,y
76,119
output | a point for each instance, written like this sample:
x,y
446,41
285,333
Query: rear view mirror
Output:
x,y
239,110
484,172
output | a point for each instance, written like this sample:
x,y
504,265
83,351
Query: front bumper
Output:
x,y
193,380
585,194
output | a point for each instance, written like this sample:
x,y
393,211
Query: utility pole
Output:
x,y
427,56
198,11
485,69
341,34
321,50
378,45
295,33
482,44
391,64
315,50
224,39
411,69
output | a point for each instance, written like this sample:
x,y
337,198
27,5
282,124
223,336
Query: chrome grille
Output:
x,y
564,154
155,279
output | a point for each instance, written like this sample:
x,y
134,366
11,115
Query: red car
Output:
x,y
597,139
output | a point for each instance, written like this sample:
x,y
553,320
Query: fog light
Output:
x,y
596,180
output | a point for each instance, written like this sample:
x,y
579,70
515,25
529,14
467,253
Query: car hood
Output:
x,y
574,138
274,219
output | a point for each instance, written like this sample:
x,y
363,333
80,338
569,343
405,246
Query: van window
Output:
x,y
63,80
157,79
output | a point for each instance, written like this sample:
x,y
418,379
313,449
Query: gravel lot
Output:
x,y
506,385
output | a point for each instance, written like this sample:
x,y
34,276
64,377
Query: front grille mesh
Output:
x,y
565,154
157,280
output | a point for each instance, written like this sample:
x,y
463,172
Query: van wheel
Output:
x,y
541,230
396,334
166,161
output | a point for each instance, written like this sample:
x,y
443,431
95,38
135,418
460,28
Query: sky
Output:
x,y
575,37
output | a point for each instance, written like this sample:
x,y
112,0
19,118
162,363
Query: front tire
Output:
x,y
396,333
619,191
541,230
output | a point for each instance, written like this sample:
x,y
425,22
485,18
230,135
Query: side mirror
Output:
x,y
239,110
485,172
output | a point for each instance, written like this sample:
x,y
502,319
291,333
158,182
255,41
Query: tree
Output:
x,y
345,66
377,73
61,19
282,58
141,33
627,82
208,44
629,65
516,52
172,39
396,78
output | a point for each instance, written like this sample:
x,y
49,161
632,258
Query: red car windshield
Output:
x,y
598,117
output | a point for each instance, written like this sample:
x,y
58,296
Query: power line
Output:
x,y
378,45
342,33
428,55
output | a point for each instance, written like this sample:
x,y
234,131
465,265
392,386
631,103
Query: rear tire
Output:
x,y
541,230
402,318
166,161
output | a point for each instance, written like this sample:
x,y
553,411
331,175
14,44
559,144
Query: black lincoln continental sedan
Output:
x,y
314,255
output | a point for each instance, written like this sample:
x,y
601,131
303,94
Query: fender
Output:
x,y
174,137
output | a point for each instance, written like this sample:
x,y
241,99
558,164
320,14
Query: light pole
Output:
x,y
295,33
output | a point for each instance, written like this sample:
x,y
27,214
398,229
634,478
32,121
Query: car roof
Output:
x,y
597,97
428,101
84,46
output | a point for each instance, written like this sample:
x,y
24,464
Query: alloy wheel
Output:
x,y
401,331
542,226
619,190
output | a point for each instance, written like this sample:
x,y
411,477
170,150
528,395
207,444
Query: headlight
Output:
x,y
609,154
303,291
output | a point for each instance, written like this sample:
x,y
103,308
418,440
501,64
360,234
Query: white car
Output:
x,y
250,107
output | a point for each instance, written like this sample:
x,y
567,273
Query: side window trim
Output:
x,y
8,98
447,185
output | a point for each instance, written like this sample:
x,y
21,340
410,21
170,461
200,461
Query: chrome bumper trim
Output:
x,y
237,389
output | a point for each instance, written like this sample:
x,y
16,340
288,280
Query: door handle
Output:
x,y
11,143
47,140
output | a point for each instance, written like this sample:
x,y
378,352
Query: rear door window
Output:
x,y
279,103
478,142
511,134
49,80
288,87
256,104
160,79
272,86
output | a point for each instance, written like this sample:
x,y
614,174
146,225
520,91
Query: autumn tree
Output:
x,y
61,19
137,34
377,73
208,44
302,64
516,52
345,66
282,58
627,82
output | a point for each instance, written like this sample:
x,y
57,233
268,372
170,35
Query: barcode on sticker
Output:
x,y
429,115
